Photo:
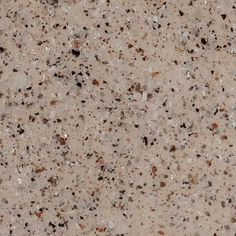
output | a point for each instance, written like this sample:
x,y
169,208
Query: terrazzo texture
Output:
x,y
118,117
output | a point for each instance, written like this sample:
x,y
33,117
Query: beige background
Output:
x,y
117,117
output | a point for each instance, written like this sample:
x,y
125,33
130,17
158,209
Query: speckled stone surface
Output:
x,y
117,117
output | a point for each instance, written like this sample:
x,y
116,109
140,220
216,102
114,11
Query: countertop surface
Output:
x,y
117,117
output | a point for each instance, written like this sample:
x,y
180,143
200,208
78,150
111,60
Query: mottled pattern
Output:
x,y
118,117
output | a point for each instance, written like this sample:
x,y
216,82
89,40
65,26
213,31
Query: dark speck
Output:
x,y
223,16
172,148
52,225
181,13
203,41
2,49
20,131
76,53
53,2
79,84
145,140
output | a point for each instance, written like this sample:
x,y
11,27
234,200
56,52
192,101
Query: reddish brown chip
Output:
x,y
95,82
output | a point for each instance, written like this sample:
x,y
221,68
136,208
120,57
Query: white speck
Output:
x,y
233,51
144,98
149,70
155,18
234,124
188,75
111,225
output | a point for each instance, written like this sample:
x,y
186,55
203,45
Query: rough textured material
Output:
x,y
117,117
